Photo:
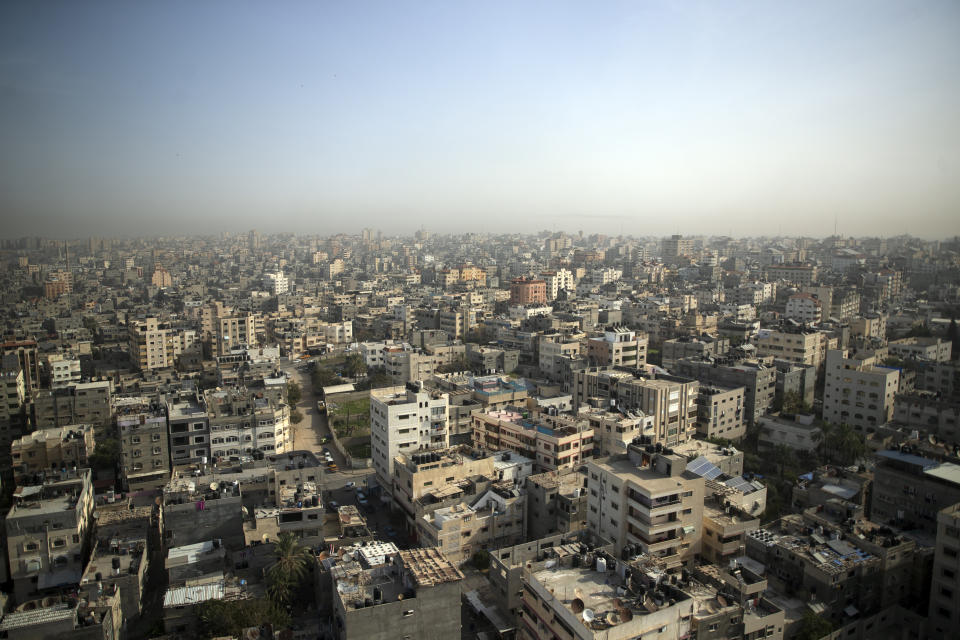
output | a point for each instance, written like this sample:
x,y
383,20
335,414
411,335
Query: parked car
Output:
x,y
350,485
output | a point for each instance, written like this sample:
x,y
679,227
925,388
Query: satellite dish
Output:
x,y
214,486
932,439
626,615
588,615
577,605
265,538
613,618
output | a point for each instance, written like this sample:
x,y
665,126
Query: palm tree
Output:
x,y
292,562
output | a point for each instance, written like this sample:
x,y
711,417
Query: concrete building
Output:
x,y
720,412
84,403
700,348
928,414
552,441
66,618
198,509
669,400
276,283
858,391
801,433
725,531
241,423
804,308
406,419
561,279
944,613
613,431
52,449
13,390
910,491
415,595
929,349
675,247
237,331
48,532
26,353
647,502
145,450
801,275
64,371
799,346
528,291
556,503
619,346
189,426
156,345
497,518
758,380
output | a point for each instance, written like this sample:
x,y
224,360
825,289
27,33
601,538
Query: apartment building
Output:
x,y
242,422
417,594
725,531
758,379
189,428
858,391
804,308
145,451
648,503
241,330
52,449
801,275
64,371
157,345
528,291
697,348
13,390
556,503
613,431
199,509
496,519
553,349
675,247
405,419
669,400
276,282
561,279
26,353
799,346
48,532
929,414
553,440
720,412
944,613
910,490
929,349
619,346
84,403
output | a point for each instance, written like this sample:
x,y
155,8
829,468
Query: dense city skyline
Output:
x,y
646,119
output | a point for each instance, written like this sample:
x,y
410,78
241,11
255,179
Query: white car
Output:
x,y
350,485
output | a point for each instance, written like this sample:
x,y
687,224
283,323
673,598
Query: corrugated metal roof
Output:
x,y
21,619
182,596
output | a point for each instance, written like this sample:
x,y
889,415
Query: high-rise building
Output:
x,y
276,282
944,613
528,291
858,391
672,248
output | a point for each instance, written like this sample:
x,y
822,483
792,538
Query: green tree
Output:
x,y
323,377
106,455
296,417
294,393
813,627
230,617
354,366
841,444
289,569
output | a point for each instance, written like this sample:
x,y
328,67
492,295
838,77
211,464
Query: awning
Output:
x,y
491,613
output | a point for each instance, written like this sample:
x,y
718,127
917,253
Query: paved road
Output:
x,y
307,434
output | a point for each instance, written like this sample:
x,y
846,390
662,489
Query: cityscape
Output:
x,y
480,436
480,321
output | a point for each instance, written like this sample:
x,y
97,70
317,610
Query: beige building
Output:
x,y
52,449
720,412
725,531
804,308
858,391
552,441
802,347
156,345
648,502
238,331
48,532
612,432
944,614
618,346
145,452
494,520
242,423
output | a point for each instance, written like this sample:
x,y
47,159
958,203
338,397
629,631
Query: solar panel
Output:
x,y
704,468
740,484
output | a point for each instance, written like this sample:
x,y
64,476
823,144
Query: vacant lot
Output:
x,y
349,414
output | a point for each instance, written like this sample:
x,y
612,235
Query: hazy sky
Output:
x,y
647,117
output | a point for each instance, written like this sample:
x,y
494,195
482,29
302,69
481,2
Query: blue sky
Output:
x,y
646,117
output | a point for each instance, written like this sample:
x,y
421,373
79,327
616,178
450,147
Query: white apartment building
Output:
x,y
804,308
276,282
557,280
405,419
857,391
64,371
929,349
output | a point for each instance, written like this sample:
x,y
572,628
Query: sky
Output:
x,y
640,117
